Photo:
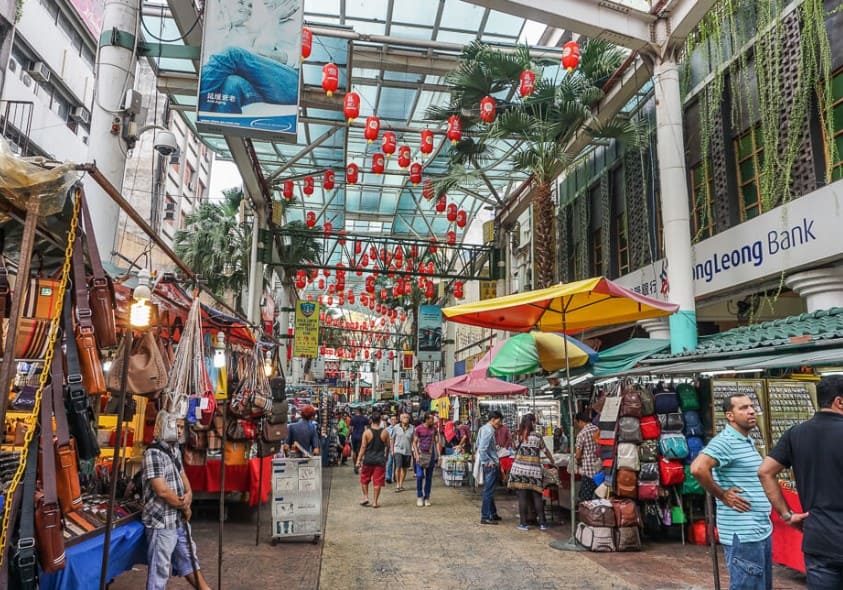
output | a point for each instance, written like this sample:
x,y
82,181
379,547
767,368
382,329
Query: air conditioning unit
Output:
x,y
26,79
81,114
40,71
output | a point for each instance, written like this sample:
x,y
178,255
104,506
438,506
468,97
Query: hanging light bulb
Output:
x,y
267,364
141,313
219,351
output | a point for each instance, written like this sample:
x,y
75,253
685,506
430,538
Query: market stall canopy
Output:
x,y
474,383
566,307
527,353
626,355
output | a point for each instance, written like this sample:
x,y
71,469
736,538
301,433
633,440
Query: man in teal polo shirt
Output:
x,y
727,468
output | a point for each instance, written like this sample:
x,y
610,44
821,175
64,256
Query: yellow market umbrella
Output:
x,y
566,307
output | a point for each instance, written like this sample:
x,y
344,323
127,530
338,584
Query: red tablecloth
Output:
x,y
238,478
787,541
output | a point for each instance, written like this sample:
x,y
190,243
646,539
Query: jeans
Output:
x,y
390,471
166,547
823,573
424,477
241,78
750,564
488,510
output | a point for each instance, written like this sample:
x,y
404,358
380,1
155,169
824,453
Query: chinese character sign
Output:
x,y
249,77
430,333
306,336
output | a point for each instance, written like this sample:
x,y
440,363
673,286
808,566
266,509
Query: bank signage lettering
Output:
x,y
801,233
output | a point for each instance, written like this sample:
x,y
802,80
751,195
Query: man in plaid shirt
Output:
x,y
588,461
166,510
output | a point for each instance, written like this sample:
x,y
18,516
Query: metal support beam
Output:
x,y
319,141
607,20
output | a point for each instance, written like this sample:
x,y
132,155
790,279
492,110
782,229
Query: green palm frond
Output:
x,y
457,176
599,59
632,133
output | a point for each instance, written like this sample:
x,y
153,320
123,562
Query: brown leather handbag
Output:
x,y
90,363
100,287
147,373
273,432
67,471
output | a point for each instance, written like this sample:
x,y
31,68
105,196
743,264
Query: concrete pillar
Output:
x,y
253,312
674,201
116,75
821,288
656,327
449,350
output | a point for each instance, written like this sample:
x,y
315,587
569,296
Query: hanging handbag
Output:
x,y
89,355
146,375
100,287
67,470
149,416
48,527
273,432
33,338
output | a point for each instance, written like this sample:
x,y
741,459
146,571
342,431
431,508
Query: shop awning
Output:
x,y
626,355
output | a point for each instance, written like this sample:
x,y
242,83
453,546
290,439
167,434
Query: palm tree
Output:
x,y
216,245
541,124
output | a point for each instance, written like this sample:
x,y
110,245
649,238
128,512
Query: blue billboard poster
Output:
x,y
249,77
430,333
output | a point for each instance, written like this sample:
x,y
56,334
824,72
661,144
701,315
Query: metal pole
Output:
x,y
222,498
115,462
709,527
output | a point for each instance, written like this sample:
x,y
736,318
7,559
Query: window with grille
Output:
x,y
749,155
702,203
837,132
622,244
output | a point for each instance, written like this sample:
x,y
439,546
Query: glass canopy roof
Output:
x,y
398,78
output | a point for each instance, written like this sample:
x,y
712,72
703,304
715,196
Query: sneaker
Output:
x,y
419,502
523,527
427,502
484,521
543,527
496,518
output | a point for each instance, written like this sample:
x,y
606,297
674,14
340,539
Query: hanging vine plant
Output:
x,y
755,33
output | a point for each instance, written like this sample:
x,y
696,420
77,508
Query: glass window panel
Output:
x,y
749,195
747,169
395,102
455,37
503,24
365,8
404,31
322,6
838,116
367,27
745,145
837,86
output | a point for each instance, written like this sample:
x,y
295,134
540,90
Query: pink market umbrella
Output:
x,y
473,383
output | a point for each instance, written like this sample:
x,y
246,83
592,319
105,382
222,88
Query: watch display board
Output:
x,y
752,388
296,498
789,403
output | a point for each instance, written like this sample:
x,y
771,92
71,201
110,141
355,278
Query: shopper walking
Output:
x,y
402,449
371,460
166,514
302,436
588,461
342,435
390,462
814,449
488,457
727,469
426,450
526,475
359,422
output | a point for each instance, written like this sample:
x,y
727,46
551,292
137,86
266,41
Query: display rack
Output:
x,y
296,498
756,391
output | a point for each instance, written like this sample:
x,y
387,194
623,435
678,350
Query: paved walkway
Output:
x,y
439,547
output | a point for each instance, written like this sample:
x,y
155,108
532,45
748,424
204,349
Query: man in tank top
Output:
x,y
371,460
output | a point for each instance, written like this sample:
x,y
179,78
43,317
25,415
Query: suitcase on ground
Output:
x,y
596,513
628,538
599,539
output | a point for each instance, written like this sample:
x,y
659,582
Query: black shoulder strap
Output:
x,y
25,563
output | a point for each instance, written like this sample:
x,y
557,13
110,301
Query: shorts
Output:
x,y
373,473
167,547
356,444
402,461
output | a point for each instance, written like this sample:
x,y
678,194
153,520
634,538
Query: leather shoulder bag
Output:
x,y
101,288
48,527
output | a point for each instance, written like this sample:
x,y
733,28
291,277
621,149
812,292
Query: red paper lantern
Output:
x,y
308,185
341,240
488,109
426,141
351,172
332,289
299,284
408,288
458,289
330,78
330,299
441,203
320,284
415,172
388,144
391,355
288,190
427,189
328,181
328,227
432,247
378,163
462,218
428,290
452,237
309,297
404,156
373,128
306,42
454,129
350,296
384,294
351,106
310,219
528,83
570,55
452,212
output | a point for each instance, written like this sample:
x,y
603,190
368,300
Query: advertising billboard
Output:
x,y
430,333
306,336
250,70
